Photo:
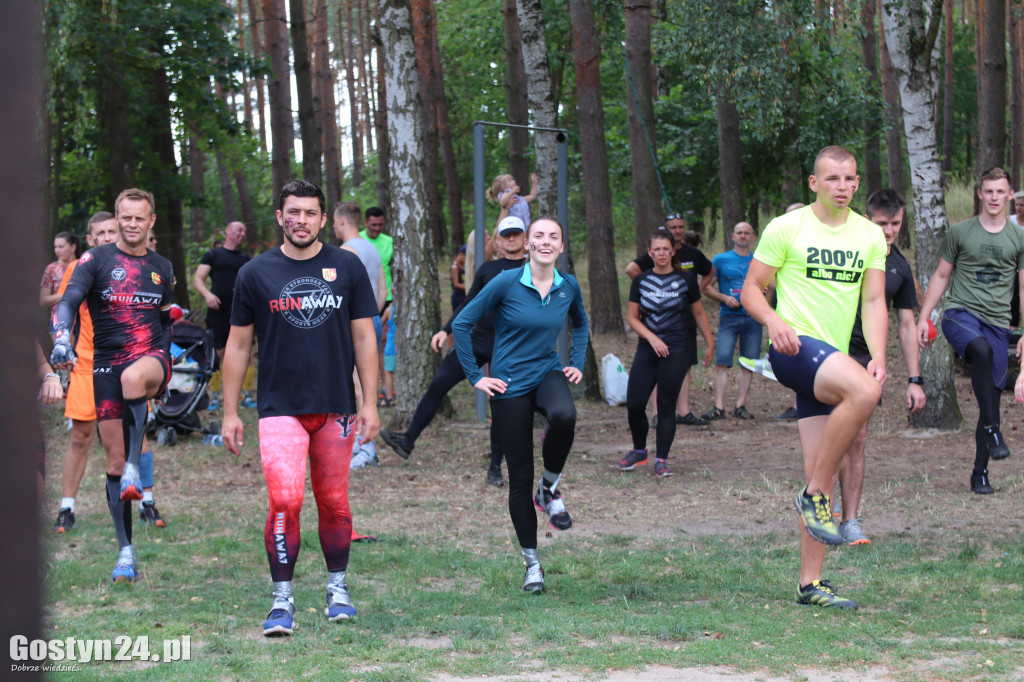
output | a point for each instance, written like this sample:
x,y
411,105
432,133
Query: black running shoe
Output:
x,y
494,476
551,504
788,415
398,442
149,514
996,445
65,520
980,484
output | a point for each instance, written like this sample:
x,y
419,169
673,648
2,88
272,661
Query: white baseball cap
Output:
x,y
510,224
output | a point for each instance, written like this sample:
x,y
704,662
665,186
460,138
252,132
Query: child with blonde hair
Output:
x,y
505,191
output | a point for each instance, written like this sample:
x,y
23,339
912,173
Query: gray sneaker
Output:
x,y
339,604
363,459
534,580
852,534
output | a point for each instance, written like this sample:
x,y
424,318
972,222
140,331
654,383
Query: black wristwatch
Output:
x,y
915,380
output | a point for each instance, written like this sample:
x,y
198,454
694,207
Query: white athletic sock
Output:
x,y
67,503
147,495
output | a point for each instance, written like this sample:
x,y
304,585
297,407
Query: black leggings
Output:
x,y
979,355
513,424
647,371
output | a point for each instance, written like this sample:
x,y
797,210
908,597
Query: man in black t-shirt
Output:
x,y
221,265
299,299
885,208
129,293
511,238
691,259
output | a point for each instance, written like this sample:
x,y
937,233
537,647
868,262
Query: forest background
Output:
x,y
714,110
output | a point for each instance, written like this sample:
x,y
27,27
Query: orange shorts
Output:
x,y
81,404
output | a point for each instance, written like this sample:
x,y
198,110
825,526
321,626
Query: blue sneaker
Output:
x,y
279,620
125,570
247,402
339,604
214,404
131,483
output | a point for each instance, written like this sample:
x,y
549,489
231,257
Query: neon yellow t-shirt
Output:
x,y
821,271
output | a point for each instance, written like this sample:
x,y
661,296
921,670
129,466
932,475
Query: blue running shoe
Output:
x,y
214,404
131,483
125,570
339,604
247,402
278,622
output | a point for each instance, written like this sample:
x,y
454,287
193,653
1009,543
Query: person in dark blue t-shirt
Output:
x,y
531,304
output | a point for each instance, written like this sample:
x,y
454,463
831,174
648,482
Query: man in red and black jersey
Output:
x,y
128,290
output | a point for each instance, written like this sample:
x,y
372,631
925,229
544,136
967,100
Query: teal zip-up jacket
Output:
x,y
525,329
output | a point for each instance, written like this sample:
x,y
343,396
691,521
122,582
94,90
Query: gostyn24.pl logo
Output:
x,y
64,654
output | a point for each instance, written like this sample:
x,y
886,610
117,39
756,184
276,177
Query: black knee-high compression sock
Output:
x,y
979,354
133,424
120,511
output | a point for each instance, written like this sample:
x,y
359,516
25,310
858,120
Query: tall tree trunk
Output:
x,y
381,115
257,53
324,79
282,126
894,121
304,90
119,133
348,59
246,85
911,26
516,102
414,268
197,184
55,148
223,171
170,223
992,86
872,131
368,85
1016,97
947,95
542,103
605,306
730,165
244,199
424,27
448,160
647,213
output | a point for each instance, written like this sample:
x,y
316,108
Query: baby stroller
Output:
x,y
193,360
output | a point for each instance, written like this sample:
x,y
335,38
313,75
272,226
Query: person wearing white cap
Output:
x,y
511,238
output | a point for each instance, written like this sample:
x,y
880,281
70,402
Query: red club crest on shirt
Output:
x,y
330,274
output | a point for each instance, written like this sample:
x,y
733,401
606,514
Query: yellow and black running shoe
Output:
x,y
821,593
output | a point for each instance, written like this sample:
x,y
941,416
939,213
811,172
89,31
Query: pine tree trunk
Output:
x,y
911,31
304,91
872,130
424,27
1016,97
354,102
246,89
515,95
282,130
730,166
605,307
414,268
323,78
170,224
992,86
197,184
448,160
261,86
647,207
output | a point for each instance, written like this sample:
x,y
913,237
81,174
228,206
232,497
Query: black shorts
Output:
x,y
106,385
219,322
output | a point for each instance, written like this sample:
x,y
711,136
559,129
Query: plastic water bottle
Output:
x,y
214,439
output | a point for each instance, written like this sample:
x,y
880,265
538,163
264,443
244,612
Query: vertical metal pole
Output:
x,y
563,218
479,229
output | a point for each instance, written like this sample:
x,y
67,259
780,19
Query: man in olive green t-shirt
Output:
x,y
977,262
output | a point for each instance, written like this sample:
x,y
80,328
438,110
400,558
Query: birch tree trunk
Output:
x,y
414,268
911,28
542,103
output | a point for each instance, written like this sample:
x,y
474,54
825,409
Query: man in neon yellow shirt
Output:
x,y
823,257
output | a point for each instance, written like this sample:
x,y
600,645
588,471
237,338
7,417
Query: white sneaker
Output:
x,y
363,459
534,580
